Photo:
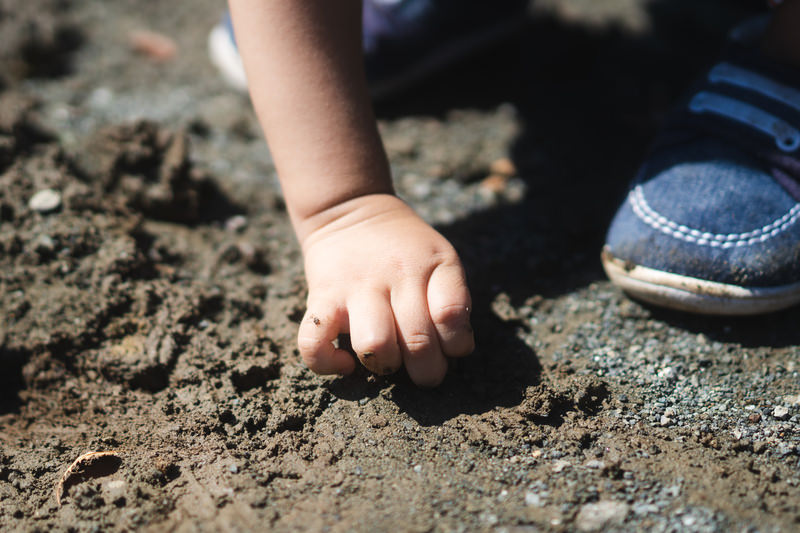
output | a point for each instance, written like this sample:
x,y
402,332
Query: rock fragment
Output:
x,y
45,201
600,515
780,412
504,167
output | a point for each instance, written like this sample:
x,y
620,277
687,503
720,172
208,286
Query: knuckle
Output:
x,y
307,345
311,352
453,313
418,343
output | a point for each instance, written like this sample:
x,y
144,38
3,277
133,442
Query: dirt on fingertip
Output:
x,y
151,289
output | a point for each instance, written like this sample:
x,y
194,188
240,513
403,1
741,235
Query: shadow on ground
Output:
x,y
496,374
11,381
775,330
590,99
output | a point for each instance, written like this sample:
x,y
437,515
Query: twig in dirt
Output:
x,y
88,465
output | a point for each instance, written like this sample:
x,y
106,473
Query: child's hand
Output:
x,y
379,272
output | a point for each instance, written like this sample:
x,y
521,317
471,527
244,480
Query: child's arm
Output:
x,y
374,268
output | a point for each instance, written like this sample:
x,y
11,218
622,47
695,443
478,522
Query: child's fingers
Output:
x,y
449,305
417,337
320,326
372,332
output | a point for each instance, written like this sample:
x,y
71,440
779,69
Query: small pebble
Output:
x,y
495,183
233,469
503,166
45,201
236,223
44,244
559,465
780,412
533,499
601,515
100,97
489,518
115,490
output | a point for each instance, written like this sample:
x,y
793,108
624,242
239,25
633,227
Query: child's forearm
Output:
x,y
305,74
374,269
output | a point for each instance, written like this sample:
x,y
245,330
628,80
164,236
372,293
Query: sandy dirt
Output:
x,y
151,289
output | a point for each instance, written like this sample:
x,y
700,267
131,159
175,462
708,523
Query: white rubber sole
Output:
x,y
695,295
225,57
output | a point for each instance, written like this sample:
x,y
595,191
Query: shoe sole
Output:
x,y
225,57
684,293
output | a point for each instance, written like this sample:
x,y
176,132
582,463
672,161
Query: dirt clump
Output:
x,y
36,40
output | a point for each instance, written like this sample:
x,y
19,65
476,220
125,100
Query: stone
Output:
x,y
236,224
780,412
533,499
559,465
503,167
45,201
44,244
600,515
115,491
494,183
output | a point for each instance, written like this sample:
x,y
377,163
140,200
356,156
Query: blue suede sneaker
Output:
x,y
712,221
404,41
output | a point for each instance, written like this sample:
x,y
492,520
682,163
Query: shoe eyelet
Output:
x,y
789,144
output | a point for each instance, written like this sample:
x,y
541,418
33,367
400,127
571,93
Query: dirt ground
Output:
x,y
151,288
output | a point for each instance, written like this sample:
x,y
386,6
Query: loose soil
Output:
x,y
152,312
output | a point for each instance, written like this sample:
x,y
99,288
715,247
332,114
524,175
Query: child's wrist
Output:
x,y
350,210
